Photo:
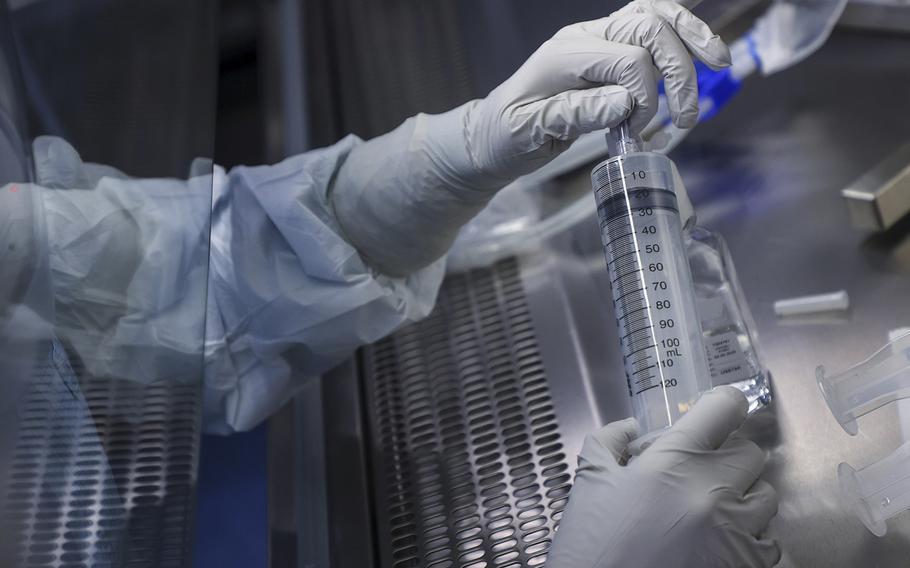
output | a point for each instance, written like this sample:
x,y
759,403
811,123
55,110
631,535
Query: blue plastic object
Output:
x,y
718,87
232,501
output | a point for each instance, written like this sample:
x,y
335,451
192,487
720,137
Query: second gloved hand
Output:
x,y
692,498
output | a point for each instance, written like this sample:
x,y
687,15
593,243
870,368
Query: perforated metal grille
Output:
x,y
468,463
103,474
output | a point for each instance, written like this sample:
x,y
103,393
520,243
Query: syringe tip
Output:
x,y
621,141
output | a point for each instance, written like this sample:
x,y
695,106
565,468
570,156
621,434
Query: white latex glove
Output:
x,y
591,76
692,499
401,198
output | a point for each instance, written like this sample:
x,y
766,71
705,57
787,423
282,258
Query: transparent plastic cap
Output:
x,y
882,378
880,491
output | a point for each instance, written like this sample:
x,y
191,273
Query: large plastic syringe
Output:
x,y
651,282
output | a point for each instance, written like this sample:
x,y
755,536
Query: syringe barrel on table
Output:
x,y
658,324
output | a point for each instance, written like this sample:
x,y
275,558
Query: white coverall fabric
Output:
x,y
138,299
284,277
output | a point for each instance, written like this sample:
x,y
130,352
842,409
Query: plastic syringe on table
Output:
x,y
651,283
880,490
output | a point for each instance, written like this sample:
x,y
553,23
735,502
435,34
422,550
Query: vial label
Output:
x,y
726,361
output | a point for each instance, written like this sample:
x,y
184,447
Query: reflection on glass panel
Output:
x,y
105,206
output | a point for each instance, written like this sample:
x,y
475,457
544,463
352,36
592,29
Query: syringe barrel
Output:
x,y
882,378
651,283
878,491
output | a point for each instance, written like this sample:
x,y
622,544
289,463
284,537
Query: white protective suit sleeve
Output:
x,y
286,286
128,260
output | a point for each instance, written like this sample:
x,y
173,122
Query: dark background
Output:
x,y
148,86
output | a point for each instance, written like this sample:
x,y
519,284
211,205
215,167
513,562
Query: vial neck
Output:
x,y
621,141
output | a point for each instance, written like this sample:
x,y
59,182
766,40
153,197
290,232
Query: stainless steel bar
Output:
x,y
881,197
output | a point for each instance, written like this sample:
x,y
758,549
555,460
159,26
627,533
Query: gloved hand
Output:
x,y
692,499
401,198
590,76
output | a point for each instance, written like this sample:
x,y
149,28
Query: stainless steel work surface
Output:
x,y
766,173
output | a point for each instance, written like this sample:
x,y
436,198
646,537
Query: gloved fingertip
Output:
x,y
717,53
625,103
620,105
774,552
614,438
626,430
736,397
716,414
725,59
630,425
